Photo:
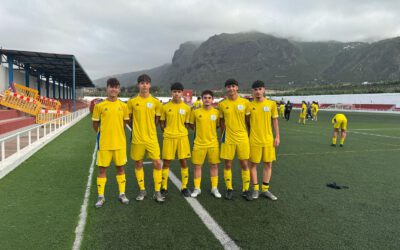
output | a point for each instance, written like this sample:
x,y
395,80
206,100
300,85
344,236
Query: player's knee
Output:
x,y
138,164
165,164
120,170
102,172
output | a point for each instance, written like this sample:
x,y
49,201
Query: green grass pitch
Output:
x,y
40,201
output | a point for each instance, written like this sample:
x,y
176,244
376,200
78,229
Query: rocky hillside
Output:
x,y
253,55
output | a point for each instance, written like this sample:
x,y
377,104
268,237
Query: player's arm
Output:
x,y
276,130
222,125
248,124
96,126
157,120
162,125
96,118
129,122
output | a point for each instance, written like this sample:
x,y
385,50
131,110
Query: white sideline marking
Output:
x,y
210,223
339,152
386,136
83,215
373,129
205,217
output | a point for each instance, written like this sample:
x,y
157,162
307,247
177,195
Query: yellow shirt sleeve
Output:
x,y
274,110
162,118
192,117
187,118
129,104
159,108
96,113
220,109
247,108
126,112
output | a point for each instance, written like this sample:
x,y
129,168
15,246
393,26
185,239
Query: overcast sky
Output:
x,y
118,36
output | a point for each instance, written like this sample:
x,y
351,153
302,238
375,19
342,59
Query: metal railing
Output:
x,y
16,148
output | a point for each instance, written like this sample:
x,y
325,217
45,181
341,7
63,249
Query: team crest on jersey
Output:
x,y
213,117
227,108
169,110
149,105
181,111
137,104
240,107
200,116
106,109
266,109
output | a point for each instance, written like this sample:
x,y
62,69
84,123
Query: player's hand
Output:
x,y
276,142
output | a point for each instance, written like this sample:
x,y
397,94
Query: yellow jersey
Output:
x,y
233,113
175,116
198,104
206,122
315,107
144,111
261,114
111,115
304,109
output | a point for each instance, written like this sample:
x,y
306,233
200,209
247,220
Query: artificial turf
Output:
x,y
40,200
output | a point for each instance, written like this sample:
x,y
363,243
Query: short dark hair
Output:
x,y
143,78
112,82
231,81
207,92
258,84
177,86
199,97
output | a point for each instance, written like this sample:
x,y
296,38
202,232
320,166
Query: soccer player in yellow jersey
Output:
x,y
234,138
145,112
174,119
282,110
303,113
263,116
205,121
314,111
109,119
339,121
198,104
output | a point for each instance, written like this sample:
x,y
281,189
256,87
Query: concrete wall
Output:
x,y
385,98
19,77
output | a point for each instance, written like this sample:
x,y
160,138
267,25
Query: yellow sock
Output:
x,y
101,184
121,180
165,173
341,141
256,187
197,182
265,187
185,177
214,181
246,179
228,178
140,178
157,176
334,140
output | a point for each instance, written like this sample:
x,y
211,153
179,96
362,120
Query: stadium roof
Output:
x,y
58,66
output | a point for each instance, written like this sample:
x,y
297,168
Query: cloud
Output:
x,y
110,37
